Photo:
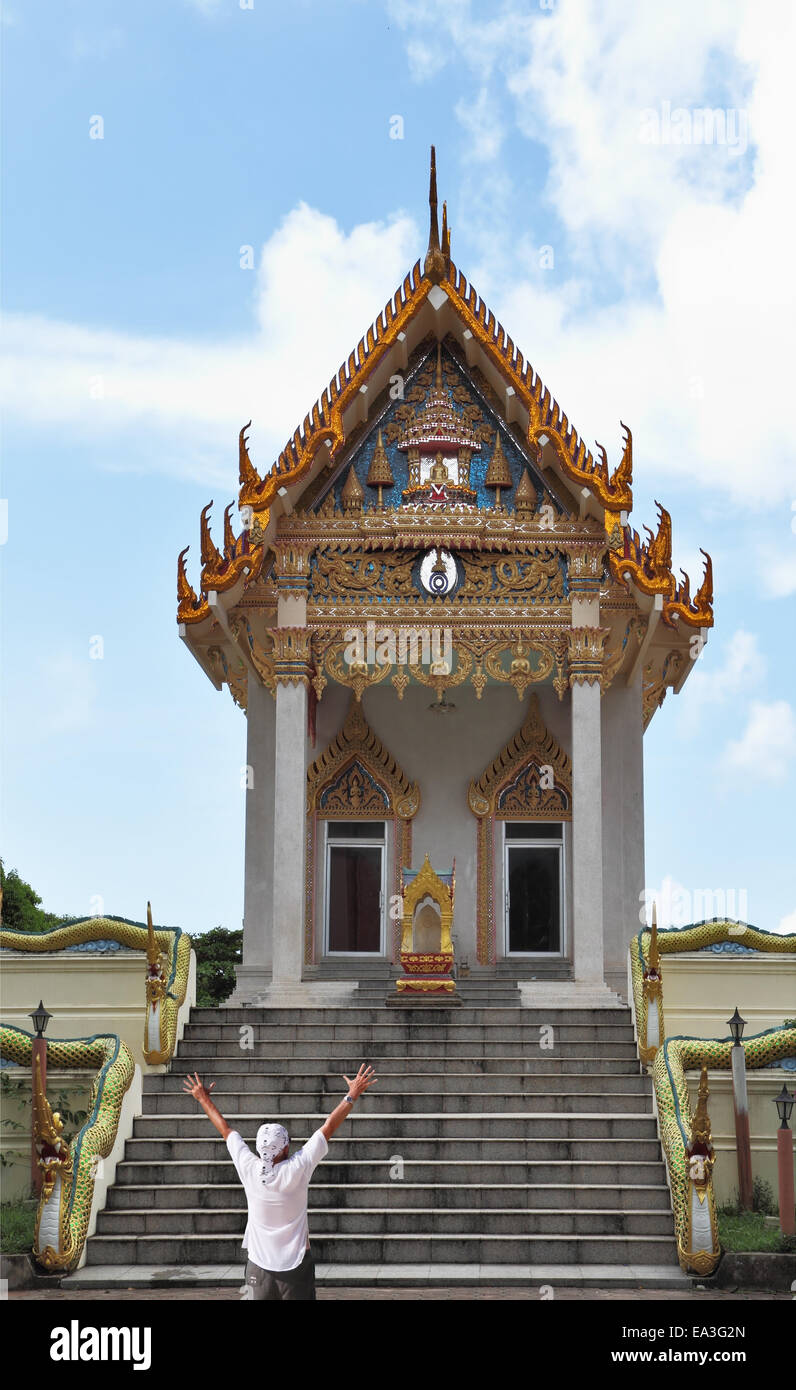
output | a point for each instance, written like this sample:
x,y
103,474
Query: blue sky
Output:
x,y
135,347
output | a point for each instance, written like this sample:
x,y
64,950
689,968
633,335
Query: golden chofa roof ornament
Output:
x,y
498,473
380,473
438,257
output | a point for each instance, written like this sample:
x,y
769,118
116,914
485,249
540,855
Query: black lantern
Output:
x,y
736,1025
784,1103
40,1018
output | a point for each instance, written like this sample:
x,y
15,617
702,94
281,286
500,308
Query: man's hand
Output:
x,y
365,1077
193,1087
356,1086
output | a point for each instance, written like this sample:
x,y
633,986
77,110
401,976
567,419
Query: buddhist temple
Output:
x,y
447,639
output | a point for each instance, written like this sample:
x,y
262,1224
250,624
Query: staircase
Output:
x,y
481,1157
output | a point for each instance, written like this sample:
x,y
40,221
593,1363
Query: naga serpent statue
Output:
x,y
685,1138
168,952
69,1170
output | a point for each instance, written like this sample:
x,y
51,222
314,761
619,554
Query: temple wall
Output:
x,y
85,993
442,753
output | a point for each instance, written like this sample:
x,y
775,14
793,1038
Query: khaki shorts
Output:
x,y
282,1285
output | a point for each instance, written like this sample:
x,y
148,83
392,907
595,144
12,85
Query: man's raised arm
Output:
x,y
193,1087
363,1079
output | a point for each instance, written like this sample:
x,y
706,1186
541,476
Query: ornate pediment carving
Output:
x,y
357,763
530,778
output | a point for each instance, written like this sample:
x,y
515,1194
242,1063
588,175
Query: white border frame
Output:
x,y
364,842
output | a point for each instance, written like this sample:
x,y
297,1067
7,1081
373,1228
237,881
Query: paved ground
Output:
x,y
392,1295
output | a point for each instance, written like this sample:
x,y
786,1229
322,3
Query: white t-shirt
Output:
x,y
276,1234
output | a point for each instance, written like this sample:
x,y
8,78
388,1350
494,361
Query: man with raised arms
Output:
x,y
280,1263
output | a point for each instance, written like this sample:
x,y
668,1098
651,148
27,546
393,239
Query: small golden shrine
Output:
x,y
426,920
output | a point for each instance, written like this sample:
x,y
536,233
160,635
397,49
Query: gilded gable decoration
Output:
x,y
356,742
353,494
380,473
533,747
354,792
439,445
498,474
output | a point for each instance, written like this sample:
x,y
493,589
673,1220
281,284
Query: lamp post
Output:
x,y
40,1018
743,1143
787,1215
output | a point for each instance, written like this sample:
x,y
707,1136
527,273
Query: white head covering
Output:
x,y
270,1141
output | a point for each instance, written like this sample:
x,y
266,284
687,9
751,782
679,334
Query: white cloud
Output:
x,y
767,745
727,672
481,119
691,241
316,292
424,60
740,671
778,573
786,925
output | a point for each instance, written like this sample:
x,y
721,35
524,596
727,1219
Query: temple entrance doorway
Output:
x,y
534,879
354,888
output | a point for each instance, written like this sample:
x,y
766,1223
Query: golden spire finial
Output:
x,y
446,233
433,233
654,958
435,265
152,948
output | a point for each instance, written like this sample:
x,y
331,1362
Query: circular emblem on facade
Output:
x,y
438,574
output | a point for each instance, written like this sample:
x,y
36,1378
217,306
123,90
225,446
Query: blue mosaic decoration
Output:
x,y
354,790
392,496
730,948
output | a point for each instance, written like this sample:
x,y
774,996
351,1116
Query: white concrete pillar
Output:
x,y
586,646
290,824
259,869
587,834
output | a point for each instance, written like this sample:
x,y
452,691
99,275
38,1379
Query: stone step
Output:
x,y
539,1064
452,1172
338,1053
246,1081
435,1277
470,1247
412,1220
417,1103
513,1154
363,1128
368,1039
399,1029
343,1188
417,1016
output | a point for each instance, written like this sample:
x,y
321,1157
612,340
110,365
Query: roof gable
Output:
x,y
437,302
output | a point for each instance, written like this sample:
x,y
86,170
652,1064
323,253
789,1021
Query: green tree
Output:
x,y
217,953
21,910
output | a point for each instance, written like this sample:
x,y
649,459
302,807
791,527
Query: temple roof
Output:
x,y
438,298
